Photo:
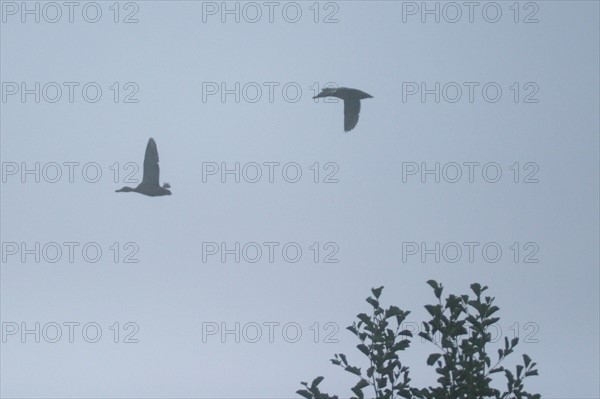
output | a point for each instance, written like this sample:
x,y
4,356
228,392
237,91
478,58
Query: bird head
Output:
x,y
124,190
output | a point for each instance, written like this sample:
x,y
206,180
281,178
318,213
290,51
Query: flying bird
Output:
x,y
351,99
149,185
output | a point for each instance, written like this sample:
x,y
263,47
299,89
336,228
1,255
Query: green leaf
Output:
x,y
531,372
370,371
343,357
362,384
373,302
358,388
363,348
401,345
509,377
476,288
425,335
377,291
305,393
316,382
492,310
353,370
426,327
437,288
527,360
477,305
491,321
433,358
432,310
364,318
393,311
358,393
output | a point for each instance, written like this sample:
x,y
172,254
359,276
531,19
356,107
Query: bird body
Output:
x,y
351,99
150,182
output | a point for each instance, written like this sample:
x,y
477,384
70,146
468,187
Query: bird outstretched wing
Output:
x,y
151,170
351,111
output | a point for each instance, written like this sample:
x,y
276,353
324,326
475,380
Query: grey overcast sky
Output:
x,y
135,296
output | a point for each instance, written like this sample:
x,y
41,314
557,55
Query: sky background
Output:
x,y
170,56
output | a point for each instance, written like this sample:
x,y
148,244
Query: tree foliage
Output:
x,y
458,329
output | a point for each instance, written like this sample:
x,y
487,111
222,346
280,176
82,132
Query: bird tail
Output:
x,y
166,185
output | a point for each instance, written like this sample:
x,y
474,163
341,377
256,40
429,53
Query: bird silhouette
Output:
x,y
149,185
351,99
